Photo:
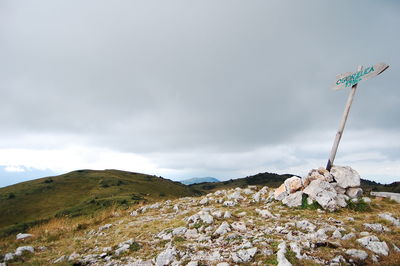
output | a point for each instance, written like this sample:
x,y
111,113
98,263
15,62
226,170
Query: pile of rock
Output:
x,y
330,189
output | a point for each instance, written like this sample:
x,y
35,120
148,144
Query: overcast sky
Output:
x,y
196,88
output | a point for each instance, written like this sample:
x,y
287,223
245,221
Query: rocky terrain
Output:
x,y
240,226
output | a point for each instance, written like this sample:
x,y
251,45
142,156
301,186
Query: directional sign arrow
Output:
x,y
349,79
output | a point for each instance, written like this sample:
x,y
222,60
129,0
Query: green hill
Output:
x,y
80,192
261,179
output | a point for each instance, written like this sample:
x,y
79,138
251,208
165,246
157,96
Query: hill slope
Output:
x,y
265,179
80,192
196,180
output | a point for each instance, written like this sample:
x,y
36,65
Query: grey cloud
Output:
x,y
178,76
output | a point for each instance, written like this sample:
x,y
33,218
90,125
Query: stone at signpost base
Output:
x,y
293,184
280,192
315,174
345,176
323,192
341,200
354,192
294,199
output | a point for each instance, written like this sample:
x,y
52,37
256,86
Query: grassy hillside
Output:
x,y
78,193
265,179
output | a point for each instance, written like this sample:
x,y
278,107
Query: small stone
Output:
x,y
239,226
206,217
60,259
376,227
357,254
74,256
354,192
264,213
348,236
122,249
366,199
23,236
134,213
104,227
204,201
306,225
337,234
179,231
166,257
23,249
223,264
229,203
227,215
9,256
193,263
244,255
222,229
389,217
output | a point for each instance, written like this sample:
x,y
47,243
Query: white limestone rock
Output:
x,y
372,243
9,256
104,227
294,199
389,217
167,257
223,229
21,236
306,225
239,226
323,192
23,249
280,255
376,227
265,213
345,176
293,184
354,192
357,254
244,255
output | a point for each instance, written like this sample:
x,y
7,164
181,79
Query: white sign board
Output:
x,y
349,79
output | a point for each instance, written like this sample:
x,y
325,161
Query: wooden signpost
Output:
x,y
351,80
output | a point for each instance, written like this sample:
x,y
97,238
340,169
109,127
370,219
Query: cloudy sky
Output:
x,y
195,88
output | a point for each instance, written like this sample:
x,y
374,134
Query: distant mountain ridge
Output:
x,y
196,180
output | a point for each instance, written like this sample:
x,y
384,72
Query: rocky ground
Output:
x,y
228,227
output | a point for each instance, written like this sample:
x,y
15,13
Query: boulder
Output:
x,y
317,174
345,176
323,192
293,184
372,243
280,192
294,199
341,200
354,192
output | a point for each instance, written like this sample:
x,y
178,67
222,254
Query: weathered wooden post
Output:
x,y
347,80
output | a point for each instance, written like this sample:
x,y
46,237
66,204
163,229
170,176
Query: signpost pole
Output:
x,y
342,124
